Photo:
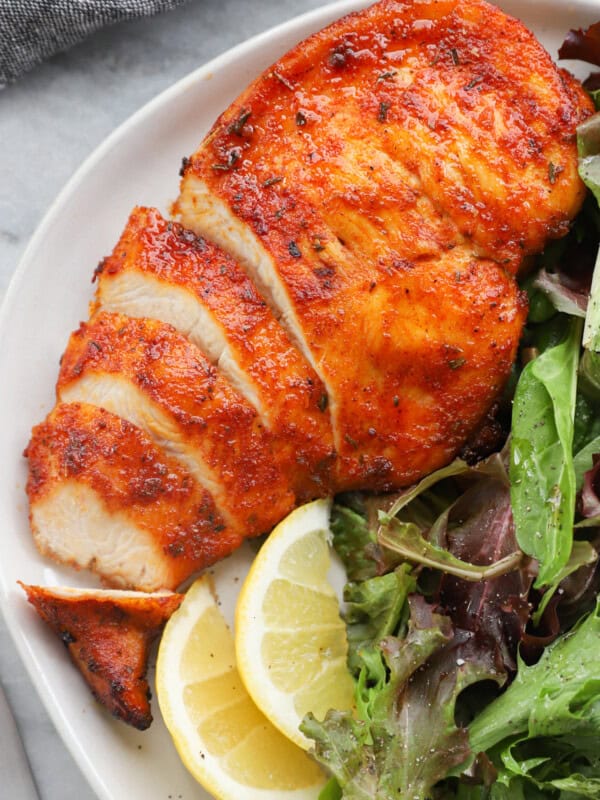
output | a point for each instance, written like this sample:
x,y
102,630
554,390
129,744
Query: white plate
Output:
x,y
138,163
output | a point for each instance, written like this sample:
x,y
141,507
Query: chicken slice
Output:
x,y
162,271
108,635
104,497
146,372
382,183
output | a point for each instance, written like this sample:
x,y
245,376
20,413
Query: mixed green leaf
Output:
x,y
542,474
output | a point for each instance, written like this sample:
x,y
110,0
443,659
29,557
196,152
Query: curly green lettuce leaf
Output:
x,y
407,739
547,768
541,465
353,541
375,608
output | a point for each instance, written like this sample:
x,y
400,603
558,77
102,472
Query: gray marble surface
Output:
x,y
49,122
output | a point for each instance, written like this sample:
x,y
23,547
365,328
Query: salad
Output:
x,y
472,606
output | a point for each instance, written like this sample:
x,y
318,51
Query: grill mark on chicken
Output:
x,y
160,270
104,497
411,145
144,371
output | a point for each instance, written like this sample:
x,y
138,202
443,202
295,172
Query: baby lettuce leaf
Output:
x,y
586,438
354,530
557,698
375,608
496,609
457,467
583,554
353,541
406,539
331,791
407,739
564,295
480,513
487,508
541,465
588,146
582,45
589,368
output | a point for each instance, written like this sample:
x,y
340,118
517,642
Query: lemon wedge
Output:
x,y
221,736
290,641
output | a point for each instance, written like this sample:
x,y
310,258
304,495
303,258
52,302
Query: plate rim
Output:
x,y
314,18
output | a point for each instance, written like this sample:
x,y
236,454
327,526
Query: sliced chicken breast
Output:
x,y
163,271
377,190
146,372
108,635
104,497
382,183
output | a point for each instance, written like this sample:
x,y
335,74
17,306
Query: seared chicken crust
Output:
x,y
382,182
104,497
159,269
145,371
339,309
108,636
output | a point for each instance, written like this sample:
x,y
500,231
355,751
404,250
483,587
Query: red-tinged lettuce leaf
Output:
x,y
405,539
481,531
582,45
565,294
407,740
485,582
426,543
589,504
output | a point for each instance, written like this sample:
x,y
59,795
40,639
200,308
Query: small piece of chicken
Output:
x,y
159,269
108,635
104,497
382,183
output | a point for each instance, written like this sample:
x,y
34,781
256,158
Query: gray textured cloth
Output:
x,y
32,30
